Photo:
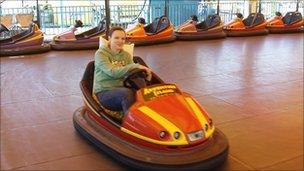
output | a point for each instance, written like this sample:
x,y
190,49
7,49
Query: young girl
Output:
x,y
111,65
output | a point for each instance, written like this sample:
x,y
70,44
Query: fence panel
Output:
x,y
270,7
55,19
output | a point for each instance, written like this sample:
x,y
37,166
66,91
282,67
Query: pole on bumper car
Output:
x,y
38,13
166,8
218,7
260,6
297,9
107,6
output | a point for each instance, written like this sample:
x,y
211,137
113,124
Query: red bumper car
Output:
x,y
85,40
29,41
165,129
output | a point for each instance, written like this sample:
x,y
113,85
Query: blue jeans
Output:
x,y
118,99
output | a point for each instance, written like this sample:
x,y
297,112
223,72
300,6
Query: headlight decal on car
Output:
x,y
153,140
193,136
172,129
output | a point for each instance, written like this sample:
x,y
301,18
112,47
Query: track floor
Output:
x,y
252,87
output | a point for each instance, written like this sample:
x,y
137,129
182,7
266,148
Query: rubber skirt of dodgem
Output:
x,y
25,50
75,45
153,41
246,33
285,30
204,35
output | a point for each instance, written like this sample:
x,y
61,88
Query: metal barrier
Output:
x,y
270,7
60,18
57,19
227,9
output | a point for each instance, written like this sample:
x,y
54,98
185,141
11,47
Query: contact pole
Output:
x,y
107,5
297,5
166,8
260,6
218,7
38,13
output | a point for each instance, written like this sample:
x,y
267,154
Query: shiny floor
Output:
x,y
252,87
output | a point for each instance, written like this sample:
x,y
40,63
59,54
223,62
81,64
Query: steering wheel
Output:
x,y
135,79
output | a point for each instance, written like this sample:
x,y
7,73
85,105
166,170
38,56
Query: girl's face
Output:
x,y
117,40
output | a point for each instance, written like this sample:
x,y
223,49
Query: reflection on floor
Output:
x,y
251,86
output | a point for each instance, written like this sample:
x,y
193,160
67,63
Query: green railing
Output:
x,y
270,7
57,19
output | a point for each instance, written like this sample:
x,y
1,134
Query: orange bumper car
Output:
x,y
253,25
159,31
211,28
292,22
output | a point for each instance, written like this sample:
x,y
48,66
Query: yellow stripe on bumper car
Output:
x,y
200,117
170,127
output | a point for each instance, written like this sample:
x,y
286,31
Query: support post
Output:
x,y
166,8
38,14
260,6
218,7
297,9
107,8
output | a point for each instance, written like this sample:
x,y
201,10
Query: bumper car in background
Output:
x,y
29,41
211,28
292,22
165,129
253,25
159,31
140,23
85,40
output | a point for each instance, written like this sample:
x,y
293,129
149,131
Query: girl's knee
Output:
x,y
128,94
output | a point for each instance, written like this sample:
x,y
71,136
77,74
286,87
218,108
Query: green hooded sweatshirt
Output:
x,y
110,68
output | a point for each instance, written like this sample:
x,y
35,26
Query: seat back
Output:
x,y
152,27
24,19
292,17
259,19
100,28
247,21
86,85
213,21
163,24
88,77
202,26
159,24
254,19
